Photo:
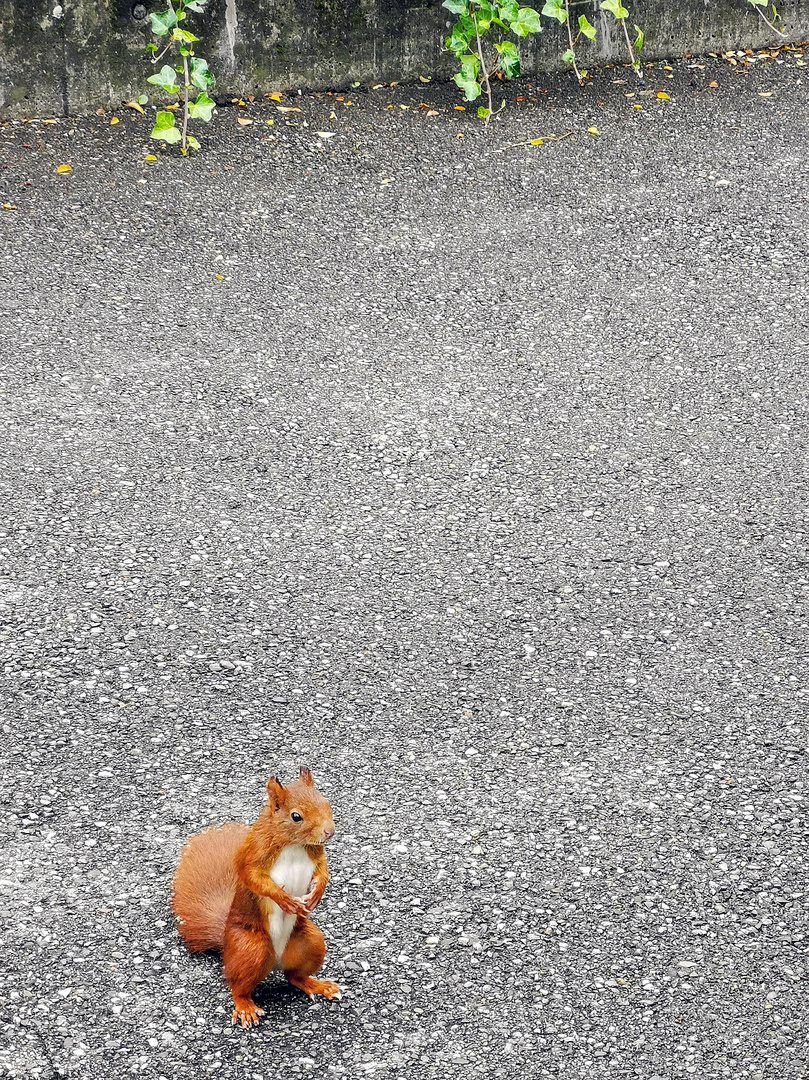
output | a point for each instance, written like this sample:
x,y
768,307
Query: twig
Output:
x,y
485,79
635,63
572,42
767,21
185,109
533,142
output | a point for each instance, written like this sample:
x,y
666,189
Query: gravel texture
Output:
x,y
474,478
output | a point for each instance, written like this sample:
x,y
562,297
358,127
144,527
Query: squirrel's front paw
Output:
x,y
290,906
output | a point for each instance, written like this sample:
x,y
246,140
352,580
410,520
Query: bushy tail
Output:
x,y
204,885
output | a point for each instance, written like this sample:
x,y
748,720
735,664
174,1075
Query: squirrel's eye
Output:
x,y
296,817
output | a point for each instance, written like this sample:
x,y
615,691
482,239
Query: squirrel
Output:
x,y
248,893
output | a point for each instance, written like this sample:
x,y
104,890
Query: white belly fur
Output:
x,y
292,870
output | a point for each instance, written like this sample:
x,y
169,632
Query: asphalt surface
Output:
x,y
471,473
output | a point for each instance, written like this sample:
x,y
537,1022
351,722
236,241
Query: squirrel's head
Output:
x,y
299,811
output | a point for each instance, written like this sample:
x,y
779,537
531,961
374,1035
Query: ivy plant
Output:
x,y
482,40
189,75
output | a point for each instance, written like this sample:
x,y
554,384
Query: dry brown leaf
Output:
x,y
287,108
432,112
243,120
134,105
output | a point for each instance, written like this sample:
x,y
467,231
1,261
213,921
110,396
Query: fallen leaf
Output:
x,y
537,142
520,97
714,85
663,95
274,97
64,168
378,86
287,108
100,112
432,112
134,105
271,121
10,206
150,157
460,108
594,131
424,78
325,134
114,120
219,277
635,105
459,135
243,120
765,93
48,121
404,106
339,97
386,180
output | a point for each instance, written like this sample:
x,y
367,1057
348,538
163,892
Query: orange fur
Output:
x,y
205,884
223,892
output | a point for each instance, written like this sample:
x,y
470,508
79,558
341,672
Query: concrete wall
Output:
x,y
64,57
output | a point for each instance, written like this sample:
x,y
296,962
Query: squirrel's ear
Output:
x,y
306,777
275,792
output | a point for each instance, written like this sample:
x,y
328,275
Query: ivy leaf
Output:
x,y
192,142
568,56
162,21
165,79
555,10
164,128
587,28
509,59
483,112
529,18
200,75
183,35
202,107
484,16
508,11
614,7
470,87
458,42
457,7
469,65
195,5
638,44
527,22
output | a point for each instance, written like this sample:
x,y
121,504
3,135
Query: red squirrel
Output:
x,y
248,891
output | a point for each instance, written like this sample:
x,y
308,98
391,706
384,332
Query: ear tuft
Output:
x,y
306,777
275,792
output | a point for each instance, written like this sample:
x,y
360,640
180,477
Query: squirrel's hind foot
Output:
x,y
246,1012
324,987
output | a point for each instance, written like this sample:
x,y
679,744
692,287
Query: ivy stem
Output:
x,y
485,75
572,42
635,63
767,21
160,57
186,78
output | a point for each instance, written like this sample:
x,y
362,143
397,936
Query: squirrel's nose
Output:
x,y
328,834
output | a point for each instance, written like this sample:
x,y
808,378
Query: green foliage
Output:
x,y
482,39
193,70
165,128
